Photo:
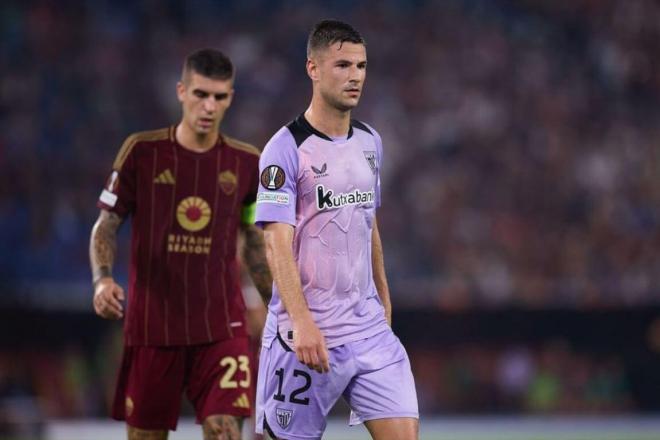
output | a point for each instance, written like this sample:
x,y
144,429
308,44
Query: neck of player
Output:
x,y
196,142
327,119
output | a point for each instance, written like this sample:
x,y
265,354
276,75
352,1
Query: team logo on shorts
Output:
x,y
272,177
193,214
283,417
371,160
227,181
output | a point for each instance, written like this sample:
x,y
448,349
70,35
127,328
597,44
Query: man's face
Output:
x,y
339,72
204,101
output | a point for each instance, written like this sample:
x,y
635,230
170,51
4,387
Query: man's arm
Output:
x,y
309,343
254,256
256,311
102,250
379,272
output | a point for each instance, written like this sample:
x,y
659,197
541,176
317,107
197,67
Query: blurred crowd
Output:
x,y
521,158
552,378
521,144
535,178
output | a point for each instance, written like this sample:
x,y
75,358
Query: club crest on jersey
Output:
x,y
272,177
326,199
320,172
228,182
371,160
283,417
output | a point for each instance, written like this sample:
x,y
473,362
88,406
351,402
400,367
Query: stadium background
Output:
x,y
521,191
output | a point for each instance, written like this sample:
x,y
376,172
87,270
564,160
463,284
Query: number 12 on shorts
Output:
x,y
293,397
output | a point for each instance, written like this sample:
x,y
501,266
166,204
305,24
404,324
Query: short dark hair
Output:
x,y
328,32
210,63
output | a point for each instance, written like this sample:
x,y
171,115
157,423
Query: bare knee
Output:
x,y
222,427
146,434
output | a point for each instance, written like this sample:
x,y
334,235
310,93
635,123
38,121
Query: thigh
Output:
x,y
148,395
400,428
384,386
220,379
293,400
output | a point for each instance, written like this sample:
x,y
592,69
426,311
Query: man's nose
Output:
x,y
210,105
356,74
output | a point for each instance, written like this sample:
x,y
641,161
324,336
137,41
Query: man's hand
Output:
x,y
309,344
107,297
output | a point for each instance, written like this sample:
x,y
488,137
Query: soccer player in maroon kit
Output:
x,y
189,190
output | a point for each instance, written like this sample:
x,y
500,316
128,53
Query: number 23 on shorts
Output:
x,y
229,380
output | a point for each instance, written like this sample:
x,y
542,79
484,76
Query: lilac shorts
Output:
x,y
373,375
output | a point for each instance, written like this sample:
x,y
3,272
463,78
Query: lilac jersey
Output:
x,y
328,190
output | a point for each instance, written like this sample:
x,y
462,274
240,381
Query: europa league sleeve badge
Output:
x,y
273,177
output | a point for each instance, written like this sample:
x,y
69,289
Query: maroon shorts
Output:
x,y
216,377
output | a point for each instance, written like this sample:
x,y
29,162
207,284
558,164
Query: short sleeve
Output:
x,y
278,176
119,193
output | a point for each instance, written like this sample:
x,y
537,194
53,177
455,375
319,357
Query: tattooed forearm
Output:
x,y
254,256
103,244
222,427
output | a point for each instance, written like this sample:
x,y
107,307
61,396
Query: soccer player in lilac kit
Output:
x,y
328,330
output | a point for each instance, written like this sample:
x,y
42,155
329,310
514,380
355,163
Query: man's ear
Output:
x,y
312,69
180,91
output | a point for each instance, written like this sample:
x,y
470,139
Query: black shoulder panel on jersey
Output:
x,y
298,131
357,124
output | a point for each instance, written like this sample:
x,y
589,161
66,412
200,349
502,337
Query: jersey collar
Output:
x,y
304,123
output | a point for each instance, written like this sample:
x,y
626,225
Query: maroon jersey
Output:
x,y
186,209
